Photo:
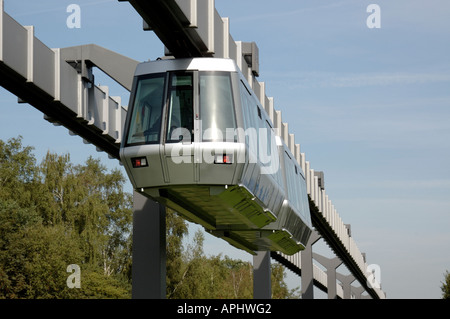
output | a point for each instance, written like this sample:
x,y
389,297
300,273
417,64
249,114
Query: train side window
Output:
x,y
180,118
293,183
304,203
253,129
244,106
265,145
217,107
145,124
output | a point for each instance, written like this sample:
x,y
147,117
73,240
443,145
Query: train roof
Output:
x,y
197,64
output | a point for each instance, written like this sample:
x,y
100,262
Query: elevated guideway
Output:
x,y
41,77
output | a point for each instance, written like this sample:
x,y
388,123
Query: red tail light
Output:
x,y
139,162
223,159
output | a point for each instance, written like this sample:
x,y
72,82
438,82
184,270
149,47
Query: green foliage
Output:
x,y
54,214
176,229
35,262
218,277
446,286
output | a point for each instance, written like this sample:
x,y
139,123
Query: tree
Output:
x,y
200,276
34,265
176,230
18,172
55,214
192,272
446,286
239,279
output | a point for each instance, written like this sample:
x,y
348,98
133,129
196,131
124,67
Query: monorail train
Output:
x,y
197,140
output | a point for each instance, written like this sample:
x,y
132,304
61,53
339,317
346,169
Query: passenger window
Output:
x,y
265,145
245,105
292,181
145,124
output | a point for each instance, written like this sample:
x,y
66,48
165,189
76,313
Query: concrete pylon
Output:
x,y
330,264
262,283
149,249
307,267
346,284
357,291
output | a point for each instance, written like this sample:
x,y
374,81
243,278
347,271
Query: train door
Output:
x,y
177,153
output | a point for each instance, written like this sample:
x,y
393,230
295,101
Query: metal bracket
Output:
x,y
119,67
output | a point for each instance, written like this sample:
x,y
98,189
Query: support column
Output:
x,y
346,284
149,249
330,265
262,283
307,267
357,291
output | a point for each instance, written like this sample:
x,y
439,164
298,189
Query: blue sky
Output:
x,y
369,107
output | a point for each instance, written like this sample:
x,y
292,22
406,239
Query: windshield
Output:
x,y
145,124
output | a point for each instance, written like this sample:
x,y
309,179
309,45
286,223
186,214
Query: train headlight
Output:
x,y
223,159
139,162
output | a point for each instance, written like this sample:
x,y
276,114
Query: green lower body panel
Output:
x,y
216,207
229,212
284,241
251,241
245,204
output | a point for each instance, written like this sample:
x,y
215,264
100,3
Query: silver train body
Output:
x,y
198,141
